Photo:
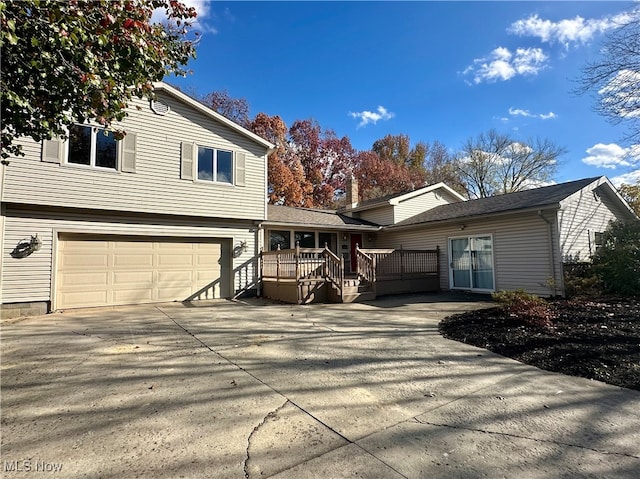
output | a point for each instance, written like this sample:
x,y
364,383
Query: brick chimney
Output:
x,y
352,192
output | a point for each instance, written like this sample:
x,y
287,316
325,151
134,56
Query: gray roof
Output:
x,y
313,217
547,196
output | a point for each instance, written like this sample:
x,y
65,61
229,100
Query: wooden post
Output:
x,y
297,258
401,263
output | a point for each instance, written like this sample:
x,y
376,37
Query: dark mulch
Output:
x,y
593,339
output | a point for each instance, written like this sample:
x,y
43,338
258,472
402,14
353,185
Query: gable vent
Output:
x,y
159,108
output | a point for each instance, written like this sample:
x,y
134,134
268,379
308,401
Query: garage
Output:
x,y
110,270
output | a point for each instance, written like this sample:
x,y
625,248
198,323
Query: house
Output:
x,y
510,241
516,240
177,211
171,212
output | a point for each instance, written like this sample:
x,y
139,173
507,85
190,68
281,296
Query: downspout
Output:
x,y
259,248
3,165
552,259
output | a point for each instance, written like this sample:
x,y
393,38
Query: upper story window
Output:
x,y
215,165
92,146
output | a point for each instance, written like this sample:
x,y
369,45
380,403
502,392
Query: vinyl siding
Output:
x,y
30,279
156,186
581,216
520,248
380,216
418,204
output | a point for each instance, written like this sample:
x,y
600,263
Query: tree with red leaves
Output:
x,y
71,61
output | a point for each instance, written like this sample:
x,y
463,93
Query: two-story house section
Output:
x,y
168,213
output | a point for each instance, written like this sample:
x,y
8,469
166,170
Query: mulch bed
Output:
x,y
597,339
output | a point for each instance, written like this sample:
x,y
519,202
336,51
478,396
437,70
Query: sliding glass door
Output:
x,y
471,265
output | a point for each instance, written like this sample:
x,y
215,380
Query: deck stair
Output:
x,y
356,290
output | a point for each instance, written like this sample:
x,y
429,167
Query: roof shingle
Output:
x,y
521,200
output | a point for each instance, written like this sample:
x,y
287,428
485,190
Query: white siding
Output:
x,y
582,215
156,186
418,204
520,247
30,279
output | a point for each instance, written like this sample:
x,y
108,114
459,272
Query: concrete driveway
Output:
x,y
256,390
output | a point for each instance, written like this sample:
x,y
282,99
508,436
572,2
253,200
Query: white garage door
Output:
x,y
114,270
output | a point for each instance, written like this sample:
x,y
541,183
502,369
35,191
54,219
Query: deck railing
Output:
x,y
381,269
402,263
302,264
366,266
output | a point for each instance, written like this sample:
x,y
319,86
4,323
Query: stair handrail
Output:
x,y
334,269
365,266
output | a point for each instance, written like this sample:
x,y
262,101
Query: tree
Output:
x,y
287,184
377,177
615,77
440,166
397,148
325,158
67,62
617,262
494,163
236,109
631,194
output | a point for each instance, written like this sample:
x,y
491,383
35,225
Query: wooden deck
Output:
x,y
312,275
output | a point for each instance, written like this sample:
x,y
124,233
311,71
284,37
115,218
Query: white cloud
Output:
x,y
528,114
502,64
568,31
631,178
202,8
612,156
367,117
620,95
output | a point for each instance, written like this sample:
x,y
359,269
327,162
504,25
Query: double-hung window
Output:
x,y
215,165
92,146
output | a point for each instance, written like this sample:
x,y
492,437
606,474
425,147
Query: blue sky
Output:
x,y
444,71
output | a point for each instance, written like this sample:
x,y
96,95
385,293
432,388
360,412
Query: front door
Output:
x,y
471,265
356,240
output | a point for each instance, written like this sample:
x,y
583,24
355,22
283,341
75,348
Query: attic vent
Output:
x,y
159,108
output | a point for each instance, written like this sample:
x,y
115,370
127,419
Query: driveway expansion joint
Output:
x,y
517,436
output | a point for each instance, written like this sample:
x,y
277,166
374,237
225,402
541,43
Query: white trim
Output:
x,y
450,261
56,232
426,189
161,86
412,194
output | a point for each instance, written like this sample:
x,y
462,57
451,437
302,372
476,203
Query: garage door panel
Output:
x,y
130,260
175,260
111,270
84,280
126,278
132,296
80,299
168,277
84,261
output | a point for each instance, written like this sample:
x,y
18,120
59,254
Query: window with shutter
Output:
x,y
127,153
187,160
240,169
52,151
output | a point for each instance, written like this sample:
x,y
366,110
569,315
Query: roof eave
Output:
x,y
161,86
321,226
551,206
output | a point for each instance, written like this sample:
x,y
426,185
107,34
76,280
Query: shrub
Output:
x,y
617,262
528,308
580,281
